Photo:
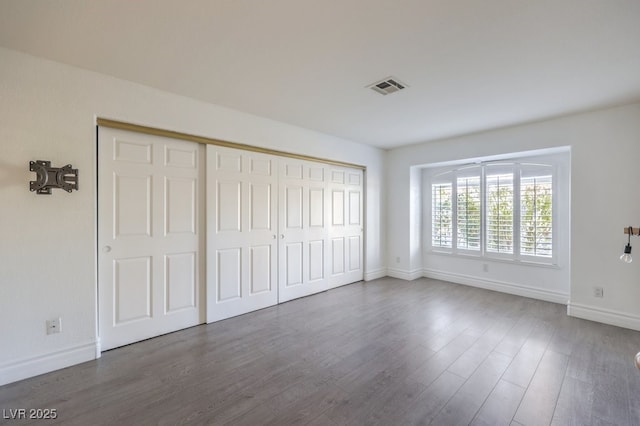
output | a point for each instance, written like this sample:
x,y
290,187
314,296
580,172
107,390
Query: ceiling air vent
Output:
x,y
387,86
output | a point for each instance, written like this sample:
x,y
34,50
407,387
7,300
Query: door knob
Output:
x,y
282,236
274,236
106,249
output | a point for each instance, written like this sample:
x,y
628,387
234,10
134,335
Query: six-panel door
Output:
x,y
149,236
303,216
241,232
346,227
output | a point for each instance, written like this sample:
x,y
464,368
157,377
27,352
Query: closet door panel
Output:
x,y
150,236
304,243
241,233
347,226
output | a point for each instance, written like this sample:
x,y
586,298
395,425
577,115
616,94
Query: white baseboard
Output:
x,y
404,274
501,286
375,274
30,367
604,316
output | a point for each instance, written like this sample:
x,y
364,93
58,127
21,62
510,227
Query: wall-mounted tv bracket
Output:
x,y
48,177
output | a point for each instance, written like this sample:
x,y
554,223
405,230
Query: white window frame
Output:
x,y
515,166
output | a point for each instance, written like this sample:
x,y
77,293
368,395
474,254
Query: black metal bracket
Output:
x,y
48,177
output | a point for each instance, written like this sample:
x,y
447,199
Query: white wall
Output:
x,y
605,147
47,243
405,207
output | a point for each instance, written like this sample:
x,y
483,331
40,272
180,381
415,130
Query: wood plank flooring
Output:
x,y
387,352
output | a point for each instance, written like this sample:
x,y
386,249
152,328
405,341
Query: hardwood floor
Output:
x,y
387,352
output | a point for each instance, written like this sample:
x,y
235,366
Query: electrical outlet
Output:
x,y
598,292
54,326
485,267
397,260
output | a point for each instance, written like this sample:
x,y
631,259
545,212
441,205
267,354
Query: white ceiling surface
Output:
x,y
470,65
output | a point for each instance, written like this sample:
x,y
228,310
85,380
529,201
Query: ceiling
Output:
x,y
470,65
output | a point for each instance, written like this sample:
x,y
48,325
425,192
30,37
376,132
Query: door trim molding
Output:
x,y
114,124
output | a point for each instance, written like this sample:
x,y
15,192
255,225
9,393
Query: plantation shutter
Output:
x,y
499,210
441,215
536,211
468,219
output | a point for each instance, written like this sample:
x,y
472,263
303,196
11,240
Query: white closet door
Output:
x,y
303,214
149,236
346,226
241,232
